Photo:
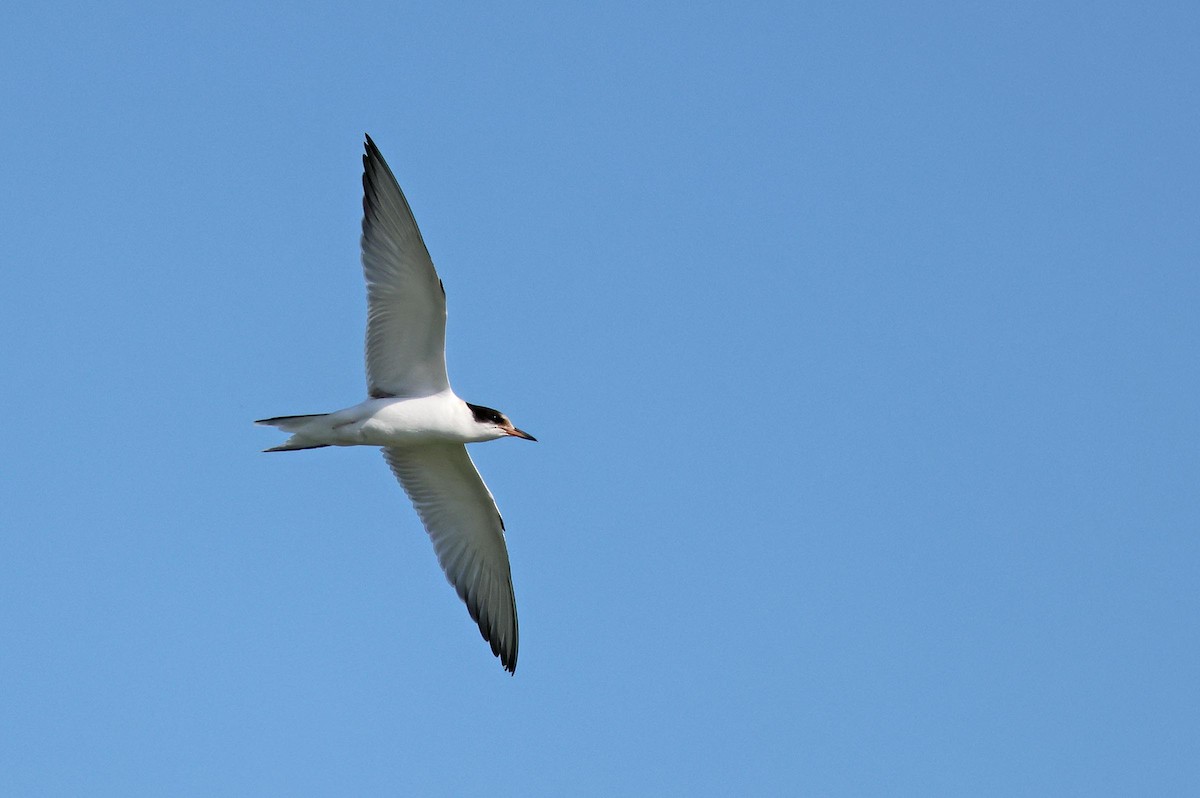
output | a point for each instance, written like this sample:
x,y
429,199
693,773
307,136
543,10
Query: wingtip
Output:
x,y
504,650
508,660
370,152
370,149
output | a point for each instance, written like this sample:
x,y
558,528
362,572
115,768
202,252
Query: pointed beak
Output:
x,y
517,433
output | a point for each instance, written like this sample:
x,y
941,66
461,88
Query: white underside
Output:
x,y
442,417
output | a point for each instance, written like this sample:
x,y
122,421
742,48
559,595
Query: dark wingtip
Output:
x,y
370,151
506,653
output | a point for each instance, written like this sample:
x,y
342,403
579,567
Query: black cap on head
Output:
x,y
486,414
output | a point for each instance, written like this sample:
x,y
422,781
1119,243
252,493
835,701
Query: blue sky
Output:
x,y
860,339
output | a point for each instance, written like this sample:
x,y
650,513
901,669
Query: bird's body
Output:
x,y
415,417
439,418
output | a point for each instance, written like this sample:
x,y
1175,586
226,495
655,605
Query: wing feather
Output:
x,y
460,515
406,305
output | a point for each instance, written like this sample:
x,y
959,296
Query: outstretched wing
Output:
x,y
406,306
461,518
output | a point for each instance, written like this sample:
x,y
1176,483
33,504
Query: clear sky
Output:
x,y
861,341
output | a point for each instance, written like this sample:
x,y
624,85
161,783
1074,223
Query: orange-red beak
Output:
x,y
516,433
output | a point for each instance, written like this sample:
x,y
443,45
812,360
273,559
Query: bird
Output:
x,y
414,416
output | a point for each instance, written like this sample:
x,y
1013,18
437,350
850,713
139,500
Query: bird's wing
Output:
x,y
461,518
406,306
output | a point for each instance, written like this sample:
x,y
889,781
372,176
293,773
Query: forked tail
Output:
x,y
292,424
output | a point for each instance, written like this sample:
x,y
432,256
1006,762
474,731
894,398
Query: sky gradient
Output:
x,y
860,342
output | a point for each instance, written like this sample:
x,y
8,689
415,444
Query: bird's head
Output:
x,y
496,424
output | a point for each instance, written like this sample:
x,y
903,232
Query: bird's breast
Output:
x,y
400,422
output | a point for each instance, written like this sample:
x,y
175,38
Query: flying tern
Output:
x,y
414,415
